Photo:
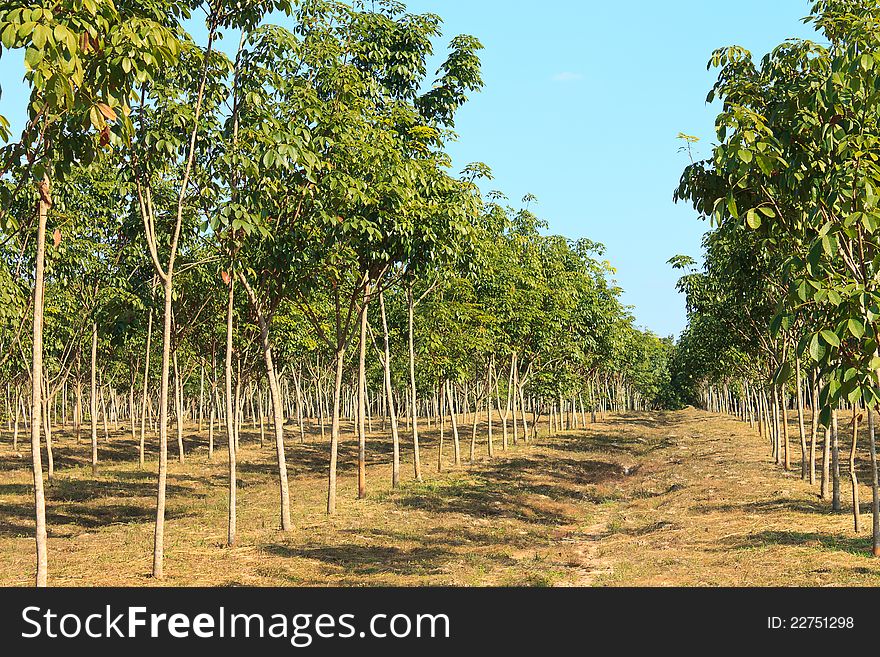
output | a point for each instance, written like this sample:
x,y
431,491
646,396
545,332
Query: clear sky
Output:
x,y
582,106
583,102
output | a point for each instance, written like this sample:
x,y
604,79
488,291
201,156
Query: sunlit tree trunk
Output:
x,y
442,428
389,395
146,391
814,428
800,413
36,388
456,445
362,397
334,431
277,407
178,402
825,484
93,401
854,482
835,463
410,304
875,486
230,426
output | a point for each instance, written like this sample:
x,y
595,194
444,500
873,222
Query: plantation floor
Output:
x,y
680,498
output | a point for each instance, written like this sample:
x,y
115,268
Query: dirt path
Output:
x,y
708,508
683,498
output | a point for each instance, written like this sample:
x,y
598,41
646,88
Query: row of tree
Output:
x,y
272,234
784,311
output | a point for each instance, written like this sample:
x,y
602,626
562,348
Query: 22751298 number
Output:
x,y
810,623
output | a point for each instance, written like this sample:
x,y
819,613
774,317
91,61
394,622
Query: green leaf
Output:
x,y
830,337
856,328
731,207
816,350
753,220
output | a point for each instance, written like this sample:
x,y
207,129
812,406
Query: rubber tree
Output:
x,y
80,66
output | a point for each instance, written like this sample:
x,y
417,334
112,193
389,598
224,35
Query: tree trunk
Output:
x,y
178,402
835,463
159,533
800,412
875,487
361,398
93,401
854,482
334,431
410,304
456,445
442,427
825,484
389,394
146,389
36,387
814,428
277,408
230,426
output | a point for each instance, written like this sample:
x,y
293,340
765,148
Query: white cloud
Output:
x,y
567,76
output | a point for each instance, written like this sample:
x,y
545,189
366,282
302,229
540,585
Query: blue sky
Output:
x,y
582,106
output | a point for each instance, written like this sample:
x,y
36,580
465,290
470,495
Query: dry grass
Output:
x,y
684,498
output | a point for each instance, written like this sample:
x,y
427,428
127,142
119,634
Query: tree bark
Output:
x,y
146,389
361,397
854,482
93,401
800,412
875,487
825,484
277,406
410,304
835,463
230,426
389,394
36,388
334,431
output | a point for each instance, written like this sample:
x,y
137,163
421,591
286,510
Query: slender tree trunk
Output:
x,y
230,426
159,533
93,401
36,388
18,405
362,398
277,408
410,305
389,394
456,445
146,391
825,484
334,431
178,402
814,429
835,463
442,427
875,487
800,412
474,428
854,482
47,432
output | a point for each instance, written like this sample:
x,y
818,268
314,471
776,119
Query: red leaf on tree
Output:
x,y
107,111
56,237
225,276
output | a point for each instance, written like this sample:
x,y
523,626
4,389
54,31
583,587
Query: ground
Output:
x,y
683,498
